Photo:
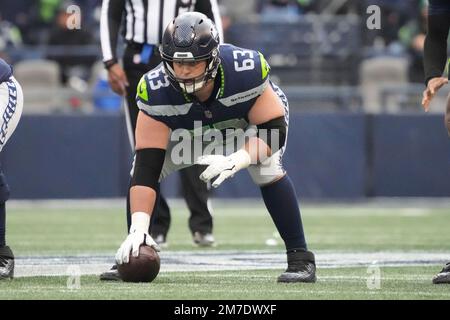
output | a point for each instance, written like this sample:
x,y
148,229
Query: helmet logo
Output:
x,y
191,37
183,55
184,35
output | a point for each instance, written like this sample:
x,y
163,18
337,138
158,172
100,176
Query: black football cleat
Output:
x,y
111,275
6,263
301,267
443,276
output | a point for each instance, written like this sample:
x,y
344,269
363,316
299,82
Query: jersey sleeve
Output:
x,y
249,66
263,71
149,102
142,95
256,78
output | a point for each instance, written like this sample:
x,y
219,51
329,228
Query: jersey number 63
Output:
x,y
243,60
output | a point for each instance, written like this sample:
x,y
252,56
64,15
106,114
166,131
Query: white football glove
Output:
x,y
224,167
138,235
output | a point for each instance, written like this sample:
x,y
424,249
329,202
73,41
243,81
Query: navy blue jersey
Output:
x,y
242,77
439,7
5,71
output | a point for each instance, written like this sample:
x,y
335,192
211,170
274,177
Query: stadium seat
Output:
x,y
41,84
377,73
309,50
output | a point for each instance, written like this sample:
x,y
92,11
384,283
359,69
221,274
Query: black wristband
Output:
x,y
276,126
108,64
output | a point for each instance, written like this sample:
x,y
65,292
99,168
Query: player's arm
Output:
x,y
210,8
152,137
268,115
435,55
110,20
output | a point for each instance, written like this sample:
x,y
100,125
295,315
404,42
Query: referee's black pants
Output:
x,y
195,192
447,115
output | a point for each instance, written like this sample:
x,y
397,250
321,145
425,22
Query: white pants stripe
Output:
x,y
11,106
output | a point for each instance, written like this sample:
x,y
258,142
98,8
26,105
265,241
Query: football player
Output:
x,y
227,89
435,57
11,103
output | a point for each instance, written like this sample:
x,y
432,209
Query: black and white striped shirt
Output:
x,y
145,20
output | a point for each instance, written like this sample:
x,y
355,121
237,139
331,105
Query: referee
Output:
x,y
142,23
435,53
435,60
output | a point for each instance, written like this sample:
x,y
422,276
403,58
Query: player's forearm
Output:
x,y
435,50
142,199
257,149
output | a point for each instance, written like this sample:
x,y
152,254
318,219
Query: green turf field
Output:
x,y
62,231
344,283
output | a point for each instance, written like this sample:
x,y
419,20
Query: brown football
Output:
x,y
144,268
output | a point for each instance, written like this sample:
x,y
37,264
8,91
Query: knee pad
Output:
x,y
268,171
4,188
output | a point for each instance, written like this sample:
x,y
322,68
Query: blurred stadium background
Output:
x,y
357,128
357,135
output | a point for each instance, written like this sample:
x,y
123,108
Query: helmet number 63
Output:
x,y
243,60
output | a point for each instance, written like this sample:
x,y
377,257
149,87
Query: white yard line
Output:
x,y
177,261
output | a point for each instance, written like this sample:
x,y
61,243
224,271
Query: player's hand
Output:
x,y
117,79
140,222
132,244
224,167
433,87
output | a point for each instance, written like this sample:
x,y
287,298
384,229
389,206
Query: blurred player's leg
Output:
x,y
447,115
2,222
6,255
444,275
11,103
160,224
195,193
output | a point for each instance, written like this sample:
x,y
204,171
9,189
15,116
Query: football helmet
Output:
x,y
190,37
